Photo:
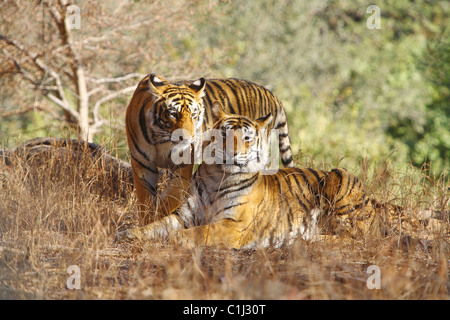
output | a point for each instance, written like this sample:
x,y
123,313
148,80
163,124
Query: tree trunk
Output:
x,y
80,80
83,106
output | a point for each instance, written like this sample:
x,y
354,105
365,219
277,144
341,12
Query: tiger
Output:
x,y
231,203
159,108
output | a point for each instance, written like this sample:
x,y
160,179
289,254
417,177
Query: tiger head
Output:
x,y
178,111
238,143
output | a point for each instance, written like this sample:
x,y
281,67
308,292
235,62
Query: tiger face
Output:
x,y
239,144
176,115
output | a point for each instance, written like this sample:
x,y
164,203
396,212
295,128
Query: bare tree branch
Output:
x,y
107,34
78,72
118,79
110,97
24,72
61,100
79,80
95,90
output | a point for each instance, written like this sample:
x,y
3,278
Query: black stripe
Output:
x,y
209,91
262,200
156,115
207,101
358,206
280,125
285,149
314,172
259,96
300,187
206,118
246,87
291,189
308,183
245,103
138,149
277,179
200,188
232,206
339,174
290,216
346,191
176,100
144,166
251,106
225,96
235,91
149,187
265,105
174,94
305,179
287,161
142,120
242,185
320,182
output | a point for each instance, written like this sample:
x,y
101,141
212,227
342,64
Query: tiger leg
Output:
x,y
158,230
175,191
223,233
146,185
344,203
154,204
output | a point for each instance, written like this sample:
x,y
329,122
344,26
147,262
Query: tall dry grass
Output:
x,y
57,210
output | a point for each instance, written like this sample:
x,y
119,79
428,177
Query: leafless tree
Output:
x,y
81,56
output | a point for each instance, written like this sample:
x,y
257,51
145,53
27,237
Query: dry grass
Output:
x,y
56,212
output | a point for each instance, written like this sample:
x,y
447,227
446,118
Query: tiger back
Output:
x,y
159,107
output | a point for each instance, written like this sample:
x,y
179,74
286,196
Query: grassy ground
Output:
x,y
59,212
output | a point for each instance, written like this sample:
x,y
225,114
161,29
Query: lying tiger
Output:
x,y
232,204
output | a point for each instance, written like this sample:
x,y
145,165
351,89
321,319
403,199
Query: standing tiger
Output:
x,y
232,204
159,107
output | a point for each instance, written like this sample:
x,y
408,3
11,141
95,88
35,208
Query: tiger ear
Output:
x,y
217,111
156,82
264,121
198,86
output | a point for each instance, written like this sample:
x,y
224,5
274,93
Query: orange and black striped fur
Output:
x,y
159,107
233,204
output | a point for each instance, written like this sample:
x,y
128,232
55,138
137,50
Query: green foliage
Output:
x,y
350,92
430,142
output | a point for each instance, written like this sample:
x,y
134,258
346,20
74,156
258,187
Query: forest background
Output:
x,y
358,87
